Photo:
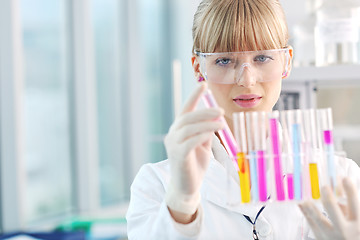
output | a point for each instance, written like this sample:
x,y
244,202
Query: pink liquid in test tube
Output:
x,y
277,159
290,184
225,134
328,139
262,176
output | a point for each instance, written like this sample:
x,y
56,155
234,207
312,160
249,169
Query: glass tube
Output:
x,y
251,119
225,134
276,155
326,130
311,159
287,154
296,142
260,148
243,165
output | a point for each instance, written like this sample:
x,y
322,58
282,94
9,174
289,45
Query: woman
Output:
x,y
185,197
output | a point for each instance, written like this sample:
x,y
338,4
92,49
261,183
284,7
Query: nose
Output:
x,y
245,77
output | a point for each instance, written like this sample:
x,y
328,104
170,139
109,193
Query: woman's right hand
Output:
x,y
188,146
344,222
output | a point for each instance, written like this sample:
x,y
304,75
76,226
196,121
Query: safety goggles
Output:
x,y
232,67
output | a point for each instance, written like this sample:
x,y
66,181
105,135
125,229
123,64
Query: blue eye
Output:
x,y
222,61
262,58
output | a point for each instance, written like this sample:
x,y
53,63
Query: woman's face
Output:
x,y
248,94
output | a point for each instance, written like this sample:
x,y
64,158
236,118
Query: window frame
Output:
x,y
85,147
11,125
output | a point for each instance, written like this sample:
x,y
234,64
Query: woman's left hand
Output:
x,y
344,223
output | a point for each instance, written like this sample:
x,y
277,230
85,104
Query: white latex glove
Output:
x,y
188,147
344,221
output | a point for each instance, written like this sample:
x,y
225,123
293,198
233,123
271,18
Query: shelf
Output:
x,y
349,132
329,73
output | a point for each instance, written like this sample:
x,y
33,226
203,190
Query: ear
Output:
x,y
195,62
291,52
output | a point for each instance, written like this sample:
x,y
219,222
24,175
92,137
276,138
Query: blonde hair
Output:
x,y
239,25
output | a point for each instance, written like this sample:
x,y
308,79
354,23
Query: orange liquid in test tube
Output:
x,y
244,177
314,179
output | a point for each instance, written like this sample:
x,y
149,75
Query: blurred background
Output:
x,y
89,88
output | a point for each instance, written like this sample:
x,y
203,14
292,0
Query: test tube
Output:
x,y
294,116
312,180
326,128
251,124
276,154
260,147
225,134
287,154
240,135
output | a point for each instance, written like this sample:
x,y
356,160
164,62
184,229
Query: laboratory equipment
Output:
x,y
337,33
279,155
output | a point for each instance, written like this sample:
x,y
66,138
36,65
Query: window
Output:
x,y
109,36
47,125
156,56
96,102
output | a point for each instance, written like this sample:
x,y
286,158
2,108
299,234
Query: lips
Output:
x,y
247,100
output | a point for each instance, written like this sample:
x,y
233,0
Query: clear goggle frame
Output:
x,y
234,67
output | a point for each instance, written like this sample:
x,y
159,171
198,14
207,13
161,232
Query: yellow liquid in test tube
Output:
x,y
314,179
244,177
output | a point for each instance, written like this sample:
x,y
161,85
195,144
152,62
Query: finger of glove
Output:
x,y
332,208
190,130
207,144
344,209
197,116
195,141
193,100
352,199
317,221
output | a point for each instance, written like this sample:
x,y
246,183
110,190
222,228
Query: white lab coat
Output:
x,y
148,216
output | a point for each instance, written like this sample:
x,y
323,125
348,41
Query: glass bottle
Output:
x,y
304,42
337,33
